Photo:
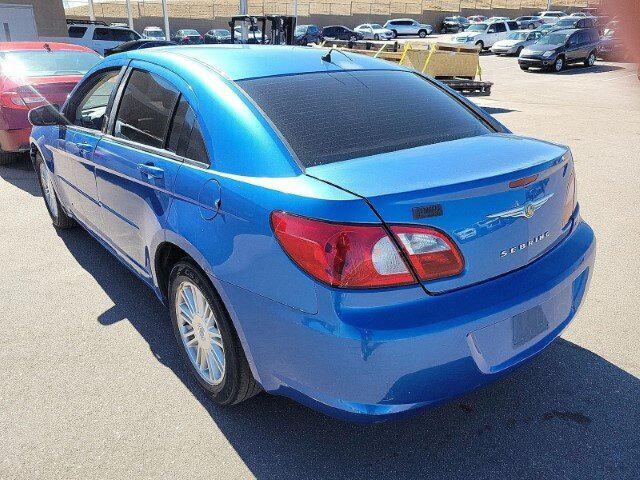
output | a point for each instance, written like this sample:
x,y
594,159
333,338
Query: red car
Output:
x,y
32,74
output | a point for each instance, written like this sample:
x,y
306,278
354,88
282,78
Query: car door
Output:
x,y
502,31
135,172
74,161
573,48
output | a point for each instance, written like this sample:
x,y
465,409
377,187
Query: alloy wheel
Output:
x,y
200,333
559,65
592,59
47,188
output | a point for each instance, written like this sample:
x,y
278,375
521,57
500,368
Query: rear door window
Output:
x,y
375,112
122,35
513,25
105,34
500,27
77,32
145,110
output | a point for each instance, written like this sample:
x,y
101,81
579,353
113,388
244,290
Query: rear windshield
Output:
x,y
331,117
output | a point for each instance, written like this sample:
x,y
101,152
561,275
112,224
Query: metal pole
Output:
x,y
549,2
129,15
92,15
165,15
244,9
295,9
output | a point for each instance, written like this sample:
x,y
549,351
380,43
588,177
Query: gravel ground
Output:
x,y
91,385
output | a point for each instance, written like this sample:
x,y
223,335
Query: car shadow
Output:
x,y
21,174
578,69
497,110
568,414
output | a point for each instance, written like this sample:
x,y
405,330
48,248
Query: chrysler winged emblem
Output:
x,y
525,211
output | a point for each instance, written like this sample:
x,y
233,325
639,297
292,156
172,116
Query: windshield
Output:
x,y
517,36
154,33
478,27
32,63
375,26
190,32
422,114
554,39
569,22
222,33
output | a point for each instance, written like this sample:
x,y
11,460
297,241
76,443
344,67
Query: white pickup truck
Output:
x,y
99,36
485,34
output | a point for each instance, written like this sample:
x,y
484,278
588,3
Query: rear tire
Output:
x,y
590,61
8,157
234,382
45,178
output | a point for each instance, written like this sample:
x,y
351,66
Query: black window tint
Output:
x,y
500,27
196,149
513,25
179,135
145,109
103,34
360,102
124,35
77,32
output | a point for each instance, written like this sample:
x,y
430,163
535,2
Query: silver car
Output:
x,y
373,31
408,26
516,42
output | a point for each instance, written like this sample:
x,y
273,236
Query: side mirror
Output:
x,y
46,115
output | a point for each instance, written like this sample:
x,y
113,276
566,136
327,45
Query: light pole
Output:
x,y
244,10
165,15
92,14
129,15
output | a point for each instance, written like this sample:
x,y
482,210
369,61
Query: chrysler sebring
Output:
x,y
366,269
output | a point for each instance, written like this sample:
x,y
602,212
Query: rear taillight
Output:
x,y
16,100
432,254
571,199
365,256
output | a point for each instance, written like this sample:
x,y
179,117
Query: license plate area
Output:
x,y
528,325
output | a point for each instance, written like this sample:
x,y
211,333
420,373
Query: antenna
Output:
x,y
327,56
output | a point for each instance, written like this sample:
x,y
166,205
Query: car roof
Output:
x,y
55,46
238,62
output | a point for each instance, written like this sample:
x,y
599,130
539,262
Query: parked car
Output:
x,y
476,18
528,22
484,35
187,36
373,31
558,49
99,37
613,46
546,28
408,26
153,33
516,42
340,32
32,74
454,24
119,24
308,263
136,45
217,35
551,17
306,34
567,23
498,19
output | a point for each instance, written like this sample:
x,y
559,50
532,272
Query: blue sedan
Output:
x,y
401,251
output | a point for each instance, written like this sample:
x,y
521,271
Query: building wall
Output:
x,y
49,16
206,14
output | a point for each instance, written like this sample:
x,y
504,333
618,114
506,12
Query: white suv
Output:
x,y
408,26
485,34
551,17
99,36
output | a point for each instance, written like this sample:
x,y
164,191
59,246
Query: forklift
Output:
x,y
281,29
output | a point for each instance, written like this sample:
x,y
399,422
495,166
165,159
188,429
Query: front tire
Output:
x,y
207,341
376,37
524,67
480,45
422,33
559,64
395,33
45,178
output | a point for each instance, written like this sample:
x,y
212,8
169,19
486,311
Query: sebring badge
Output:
x,y
526,211
522,246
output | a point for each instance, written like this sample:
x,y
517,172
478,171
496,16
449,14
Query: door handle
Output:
x,y
151,171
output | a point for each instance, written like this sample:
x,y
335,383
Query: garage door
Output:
x,y
17,23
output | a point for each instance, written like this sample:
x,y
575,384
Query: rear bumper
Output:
x,y
15,140
370,356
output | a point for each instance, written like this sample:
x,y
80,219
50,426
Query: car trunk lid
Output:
x,y
468,188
